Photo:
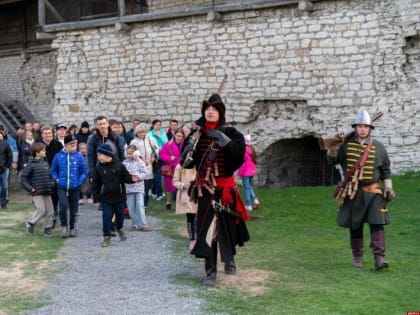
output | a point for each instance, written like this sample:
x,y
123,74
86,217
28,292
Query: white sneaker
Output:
x,y
248,208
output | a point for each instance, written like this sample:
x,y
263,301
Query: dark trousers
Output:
x,y
68,199
358,233
148,183
157,184
108,210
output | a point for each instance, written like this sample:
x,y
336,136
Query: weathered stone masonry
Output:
x,y
292,74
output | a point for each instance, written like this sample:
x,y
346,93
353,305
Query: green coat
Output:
x,y
365,207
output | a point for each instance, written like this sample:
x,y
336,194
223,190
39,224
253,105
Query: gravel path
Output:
x,y
131,277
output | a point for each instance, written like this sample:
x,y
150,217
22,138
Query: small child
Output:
x,y
69,171
247,171
85,189
36,179
108,188
135,192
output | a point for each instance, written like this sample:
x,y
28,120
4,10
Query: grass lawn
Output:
x,y
301,260
26,262
297,262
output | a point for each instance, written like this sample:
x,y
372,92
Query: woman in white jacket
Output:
x,y
148,150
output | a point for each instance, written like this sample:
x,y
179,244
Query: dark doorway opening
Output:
x,y
295,162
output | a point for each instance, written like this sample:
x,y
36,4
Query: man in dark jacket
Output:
x,y
53,146
6,157
221,214
103,134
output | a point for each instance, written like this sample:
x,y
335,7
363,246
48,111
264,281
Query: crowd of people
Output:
x,y
118,170
193,166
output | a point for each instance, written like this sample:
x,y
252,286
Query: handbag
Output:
x,y
166,170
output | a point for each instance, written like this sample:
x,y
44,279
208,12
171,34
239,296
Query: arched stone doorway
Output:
x,y
294,162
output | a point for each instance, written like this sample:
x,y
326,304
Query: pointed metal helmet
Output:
x,y
363,118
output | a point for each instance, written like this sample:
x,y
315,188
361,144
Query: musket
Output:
x,y
219,207
328,143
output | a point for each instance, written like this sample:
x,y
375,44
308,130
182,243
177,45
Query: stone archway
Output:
x,y
294,162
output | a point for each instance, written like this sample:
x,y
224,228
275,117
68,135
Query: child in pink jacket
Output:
x,y
247,172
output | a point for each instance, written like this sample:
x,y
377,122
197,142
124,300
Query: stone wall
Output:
x,y
291,74
11,87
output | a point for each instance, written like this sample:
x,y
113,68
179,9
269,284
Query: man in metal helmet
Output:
x,y
363,199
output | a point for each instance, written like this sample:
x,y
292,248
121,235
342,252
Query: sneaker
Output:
x,y
47,232
153,196
73,233
121,234
90,200
248,208
145,229
168,206
64,231
106,242
159,198
133,228
3,206
256,204
29,228
80,201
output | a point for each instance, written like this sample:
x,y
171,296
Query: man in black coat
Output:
x,y
221,214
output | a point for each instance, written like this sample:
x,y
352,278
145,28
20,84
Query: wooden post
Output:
x,y
41,12
121,7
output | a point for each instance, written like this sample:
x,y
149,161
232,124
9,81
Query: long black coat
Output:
x,y
231,231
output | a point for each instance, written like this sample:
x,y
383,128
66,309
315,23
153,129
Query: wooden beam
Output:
x,y
54,12
41,12
121,7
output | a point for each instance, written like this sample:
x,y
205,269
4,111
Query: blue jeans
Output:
x,y
135,204
4,186
147,185
157,184
248,190
108,210
68,199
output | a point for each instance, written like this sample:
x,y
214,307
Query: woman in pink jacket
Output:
x,y
170,155
247,172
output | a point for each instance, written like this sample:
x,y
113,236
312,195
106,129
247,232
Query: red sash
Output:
x,y
225,184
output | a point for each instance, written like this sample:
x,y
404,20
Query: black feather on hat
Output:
x,y
216,101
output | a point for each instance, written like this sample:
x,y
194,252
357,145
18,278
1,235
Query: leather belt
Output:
x,y
372,188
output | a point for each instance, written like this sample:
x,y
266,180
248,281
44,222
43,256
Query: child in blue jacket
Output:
x,y
69,171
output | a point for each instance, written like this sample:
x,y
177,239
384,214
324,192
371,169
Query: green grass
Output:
x,y
26,262
309,257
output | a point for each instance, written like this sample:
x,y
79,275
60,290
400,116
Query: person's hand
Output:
x,y
389,194
221,139
14,165
135,178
